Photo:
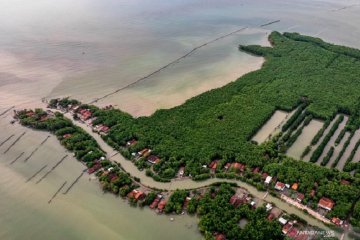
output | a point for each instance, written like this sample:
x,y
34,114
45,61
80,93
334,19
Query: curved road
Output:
x,y
190,184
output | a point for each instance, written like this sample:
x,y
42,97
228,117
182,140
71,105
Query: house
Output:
x,y
186,202
65,136
44,118
104,129
264,175
213,165
181,172
282,220
337,221
220,236
84,114
280,186
161,205
312,193
144,153
270,217
326,203
256,170
153,159
268,180
299,197
155,203
292,232
344,182
30,113
131,143
286,228
295,186
238,166
136,194
94,168
236,200
268,207
227,166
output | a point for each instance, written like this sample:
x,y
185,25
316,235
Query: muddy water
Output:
x,y
83,213
307,157
304,139
87,48
331,143
272,126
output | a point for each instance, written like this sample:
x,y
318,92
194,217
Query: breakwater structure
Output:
x,y
16,140
6,140
75,181
177,60
52,169
35,174
36,149
56,193
19,156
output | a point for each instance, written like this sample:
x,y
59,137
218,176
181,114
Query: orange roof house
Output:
x,y
238,166
337,221
326,203
213,165
136,194
295,186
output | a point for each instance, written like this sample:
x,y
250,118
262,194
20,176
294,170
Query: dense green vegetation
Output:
x,y
82,144
218,215
328,156
218,124
341,153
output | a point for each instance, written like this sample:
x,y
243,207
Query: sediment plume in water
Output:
x,y
3,142
37,148
6,111
176,61
35,174
18,139
72,185
54,196
52,169
20,155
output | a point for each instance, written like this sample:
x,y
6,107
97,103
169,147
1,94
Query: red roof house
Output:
x,y
280,186
161,205
153,159
326,203
299,197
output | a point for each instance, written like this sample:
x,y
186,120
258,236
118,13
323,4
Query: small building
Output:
x,y
295,186
220,236
299,197
283,221
292,233
264,175
153,159
131,142
268,180
144,153
326,203
84,114
256,170
268,207
68,135
286,228
136,194
280,186
344,182
337,221
104,129
236,200
155,203
213,165
227,166
238,166
161,205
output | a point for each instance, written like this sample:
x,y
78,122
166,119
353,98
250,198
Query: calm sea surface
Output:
x,y
88,48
